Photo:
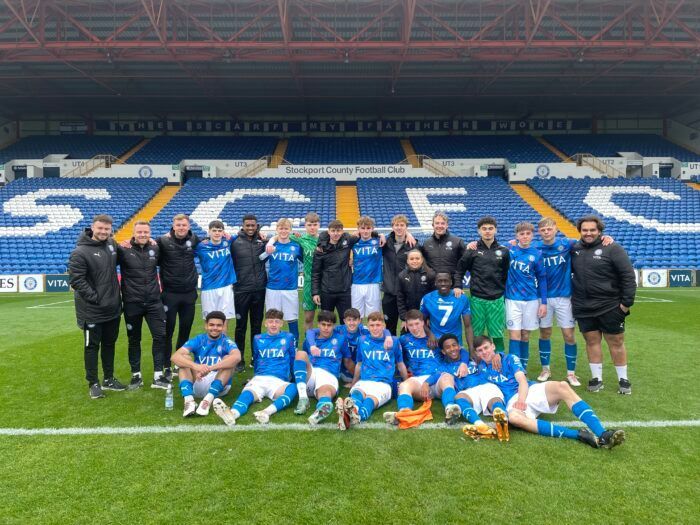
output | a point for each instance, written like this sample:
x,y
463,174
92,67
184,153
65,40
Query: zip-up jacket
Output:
x,y
92,268
178,273
331,272
442,253
603,278
250,270
488,268
393,263
139,269
412,285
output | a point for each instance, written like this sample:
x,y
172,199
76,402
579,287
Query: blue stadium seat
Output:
x,y
75,146
27,247
656,231
172,150
316,150
609,145
515,148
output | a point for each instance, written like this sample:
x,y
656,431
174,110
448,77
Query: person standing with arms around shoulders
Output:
x,y
604,286
92,268
394,253
442,250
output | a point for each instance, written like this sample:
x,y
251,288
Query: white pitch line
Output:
x,y
297,427
50,304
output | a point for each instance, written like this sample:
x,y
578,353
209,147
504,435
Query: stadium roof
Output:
x,y
378,57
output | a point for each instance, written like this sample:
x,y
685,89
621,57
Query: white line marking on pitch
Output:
x,y
647,299
48,305
298,427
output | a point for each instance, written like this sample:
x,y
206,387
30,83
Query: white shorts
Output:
x,y
423,379
536,402
481,395
218,299
522,315
319,378
561,306
265,386
287,301
366,298
201,386
380,391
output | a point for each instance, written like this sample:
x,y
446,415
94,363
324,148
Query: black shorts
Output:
x,y
610,322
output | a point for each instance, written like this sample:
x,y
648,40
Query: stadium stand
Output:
x,y
515,148
172,150
656,220
320,150
269,199
42,218
75,146
609,145
471,198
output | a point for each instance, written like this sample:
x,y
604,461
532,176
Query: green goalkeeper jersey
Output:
x,y
308,244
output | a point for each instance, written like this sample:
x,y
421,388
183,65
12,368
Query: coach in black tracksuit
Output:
x,y
249,290
92,268
179,278
442,250
393,262
141,296
603,288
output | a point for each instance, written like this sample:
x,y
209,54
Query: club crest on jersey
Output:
x,y
151,253
110,247
560,248
531,258
598,252
345,243
283,341
423,278
374,242
334,341
448,245
225,244
188,244
499,252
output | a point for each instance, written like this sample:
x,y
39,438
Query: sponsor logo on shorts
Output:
x,y
510,323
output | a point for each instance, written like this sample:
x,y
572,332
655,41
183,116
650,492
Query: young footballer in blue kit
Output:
x,y
527,400
283,276
445,313
526,292
218,273
374,374
316,369
367,269
274,352
206,363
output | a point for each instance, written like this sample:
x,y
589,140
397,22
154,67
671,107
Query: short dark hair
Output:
x,y
273,313
216,314
352,313
480,340
326,316
249,217
335,225
446,337
487,220
591,218
414,314
216,223
103,217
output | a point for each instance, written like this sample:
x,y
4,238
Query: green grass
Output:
x,y
369,476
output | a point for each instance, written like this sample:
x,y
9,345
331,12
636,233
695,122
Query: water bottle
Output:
x,y
169,398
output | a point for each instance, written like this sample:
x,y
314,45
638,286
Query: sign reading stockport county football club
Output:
x,y
8,283
654,278
31,283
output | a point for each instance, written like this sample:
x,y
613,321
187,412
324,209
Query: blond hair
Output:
x,y
284,222
399,218
524,226
365,221
547,221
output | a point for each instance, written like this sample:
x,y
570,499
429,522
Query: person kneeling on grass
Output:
x,y
206,363
273,353
317,367
374,374
526,401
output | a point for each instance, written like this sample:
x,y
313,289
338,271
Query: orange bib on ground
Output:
x,y
413,418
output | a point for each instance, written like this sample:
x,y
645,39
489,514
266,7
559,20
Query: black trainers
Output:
x,y
587,437
595,385
625,387
168,373
112,384
96,391
611,438
136,382
240,367
161,382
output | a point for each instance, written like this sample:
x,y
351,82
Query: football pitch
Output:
x,y
124,459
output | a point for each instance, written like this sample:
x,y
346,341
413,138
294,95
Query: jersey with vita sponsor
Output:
x,y
333,351
308,244
474,378
505,379
526,277
378,364
217,264
420,359
274,354
367,262
208,351
445,313
556,259
283,266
